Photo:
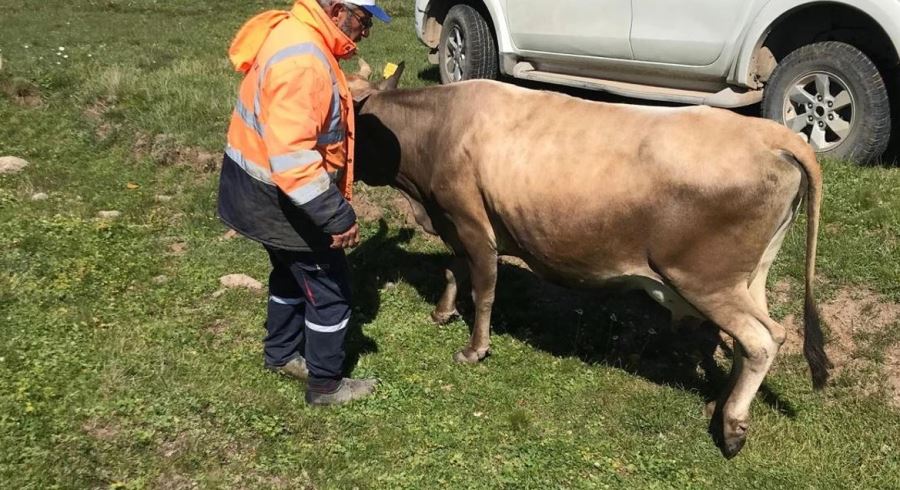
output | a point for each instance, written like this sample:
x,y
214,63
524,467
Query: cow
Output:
x,y
690,204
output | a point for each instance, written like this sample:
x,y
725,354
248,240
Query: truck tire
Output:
x,y
467,49
832,94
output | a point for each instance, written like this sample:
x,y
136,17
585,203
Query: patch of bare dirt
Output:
x,y
849,317
892,368
216,327
174,481
164,149
373,207
833,228
780,294
401,205
21,92
781,291
141,146
254,480
365,209
849,314
178,248
95,113
203,160
98,108
101,430
233,458
174,447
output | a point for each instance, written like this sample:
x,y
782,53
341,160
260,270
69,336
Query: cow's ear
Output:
x,y
364,71
391,82
360,89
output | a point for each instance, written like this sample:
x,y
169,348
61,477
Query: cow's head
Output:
x,y
361,88
377,146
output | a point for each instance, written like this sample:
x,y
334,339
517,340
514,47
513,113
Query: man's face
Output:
x,y
354,21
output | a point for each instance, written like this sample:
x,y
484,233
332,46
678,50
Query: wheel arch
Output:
x,y
784,26
490,10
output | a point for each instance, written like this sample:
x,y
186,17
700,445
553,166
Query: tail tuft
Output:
x,y
814,345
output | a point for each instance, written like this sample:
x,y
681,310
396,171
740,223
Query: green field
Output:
x,y
120,367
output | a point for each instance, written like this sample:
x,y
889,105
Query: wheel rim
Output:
x,y
819,107
455,55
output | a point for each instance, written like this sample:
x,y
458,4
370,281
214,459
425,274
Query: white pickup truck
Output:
x,y
823,68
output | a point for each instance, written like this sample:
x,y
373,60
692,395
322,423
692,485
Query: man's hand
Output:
x,y
347,239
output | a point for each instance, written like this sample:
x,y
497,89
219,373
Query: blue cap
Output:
x,y
375,10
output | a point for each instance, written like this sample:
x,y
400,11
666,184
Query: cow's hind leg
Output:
x,y
736,312
761,275
445,310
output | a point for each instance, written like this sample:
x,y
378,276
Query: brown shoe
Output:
x,y
347,391
295,368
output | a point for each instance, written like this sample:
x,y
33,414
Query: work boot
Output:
x,y
295,368
346,391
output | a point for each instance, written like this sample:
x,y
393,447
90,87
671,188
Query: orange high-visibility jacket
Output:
x,y
288,166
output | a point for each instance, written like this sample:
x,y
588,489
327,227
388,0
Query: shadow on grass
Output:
x,y
430,74
624,330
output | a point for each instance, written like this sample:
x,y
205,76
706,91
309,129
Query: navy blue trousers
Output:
x,y
308,311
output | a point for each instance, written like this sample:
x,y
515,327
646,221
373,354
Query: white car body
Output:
x,y
697,44
715,52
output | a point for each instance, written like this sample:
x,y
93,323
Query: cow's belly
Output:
x,y
635,279
611,254
587,251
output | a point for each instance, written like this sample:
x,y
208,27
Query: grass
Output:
x,y
119,369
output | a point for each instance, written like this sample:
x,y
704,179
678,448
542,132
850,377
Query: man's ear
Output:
x,y
335,9
335,12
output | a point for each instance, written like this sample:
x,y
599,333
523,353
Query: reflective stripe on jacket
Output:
x,y
291,132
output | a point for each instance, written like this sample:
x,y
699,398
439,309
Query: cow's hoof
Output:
x,y
470,356
733,446
734,439
443,317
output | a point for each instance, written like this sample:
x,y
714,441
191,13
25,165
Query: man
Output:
x,y
286,182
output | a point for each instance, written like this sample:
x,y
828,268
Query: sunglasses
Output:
x,y
364,20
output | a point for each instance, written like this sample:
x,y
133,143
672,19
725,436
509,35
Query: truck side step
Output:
x,y
727,97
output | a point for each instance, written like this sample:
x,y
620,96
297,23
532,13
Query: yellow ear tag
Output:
x,y
389,70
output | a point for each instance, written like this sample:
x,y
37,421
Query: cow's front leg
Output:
x,y
446,306
483,273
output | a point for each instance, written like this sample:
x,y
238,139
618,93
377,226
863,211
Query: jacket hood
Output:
x,y
251,36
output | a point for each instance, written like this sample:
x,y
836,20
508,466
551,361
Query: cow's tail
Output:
x,y
813,341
